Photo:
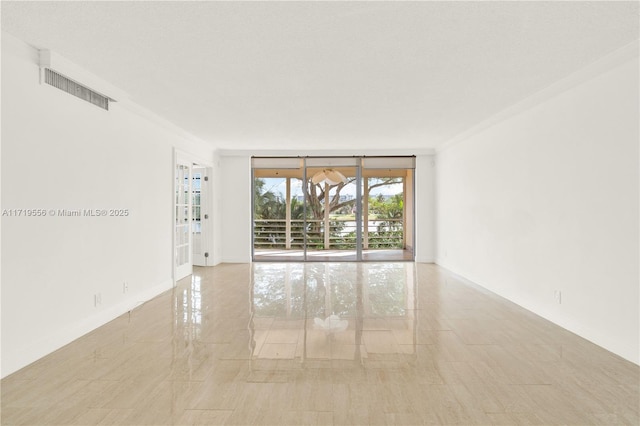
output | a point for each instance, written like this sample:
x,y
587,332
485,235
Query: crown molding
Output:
x,y
322,152
606,63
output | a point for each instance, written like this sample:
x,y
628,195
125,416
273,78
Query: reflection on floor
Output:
x,y
322,314
292,255
325,343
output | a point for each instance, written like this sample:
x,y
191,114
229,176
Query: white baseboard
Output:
x,y
17,358
561,320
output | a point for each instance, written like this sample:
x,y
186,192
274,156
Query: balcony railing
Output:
x,y
273,233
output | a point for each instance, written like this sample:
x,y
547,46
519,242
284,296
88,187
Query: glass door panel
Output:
x,y
182,237
385,208
199,216
269,212
388,210
278,210
331,213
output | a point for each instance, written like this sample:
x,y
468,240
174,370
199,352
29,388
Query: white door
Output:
x,y
183,212
200,216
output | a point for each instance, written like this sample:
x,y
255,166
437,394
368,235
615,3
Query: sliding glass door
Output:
x,y
279,214
332,208
388,208
331,195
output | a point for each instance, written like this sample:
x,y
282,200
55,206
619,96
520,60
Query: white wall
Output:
x,y
236,208
548,200
425,209
59,152
216,213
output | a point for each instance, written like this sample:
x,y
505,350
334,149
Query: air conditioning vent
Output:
x,y
76,89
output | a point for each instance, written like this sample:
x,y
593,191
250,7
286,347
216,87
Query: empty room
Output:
x,y
325,213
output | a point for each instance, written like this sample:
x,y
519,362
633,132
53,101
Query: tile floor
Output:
x,y
377,255
325,343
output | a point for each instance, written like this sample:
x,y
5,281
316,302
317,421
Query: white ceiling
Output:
x,y
334,75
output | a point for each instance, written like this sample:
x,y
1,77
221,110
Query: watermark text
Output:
x,y
66,212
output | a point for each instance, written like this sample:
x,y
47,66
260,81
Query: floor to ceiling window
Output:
x,y
333,208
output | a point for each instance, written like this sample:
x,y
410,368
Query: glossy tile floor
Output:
x,y
378,255
325,343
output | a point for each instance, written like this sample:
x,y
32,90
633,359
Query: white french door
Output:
x,y
200,220
183,220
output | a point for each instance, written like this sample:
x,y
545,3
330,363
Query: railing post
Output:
x,y
404,213
287,234
365,214
327,230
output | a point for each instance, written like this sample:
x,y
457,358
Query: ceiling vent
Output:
x,y
76,89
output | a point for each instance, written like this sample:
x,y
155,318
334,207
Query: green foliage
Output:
x,y
387,212
390,208
266,204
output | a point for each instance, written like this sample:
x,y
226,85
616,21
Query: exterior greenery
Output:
x,y
385,217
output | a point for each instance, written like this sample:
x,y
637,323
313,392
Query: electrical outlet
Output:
x,y
557,295
97,299
125,287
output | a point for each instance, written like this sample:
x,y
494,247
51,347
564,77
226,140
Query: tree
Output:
x,y
315,196
264,201
389,230
269,206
